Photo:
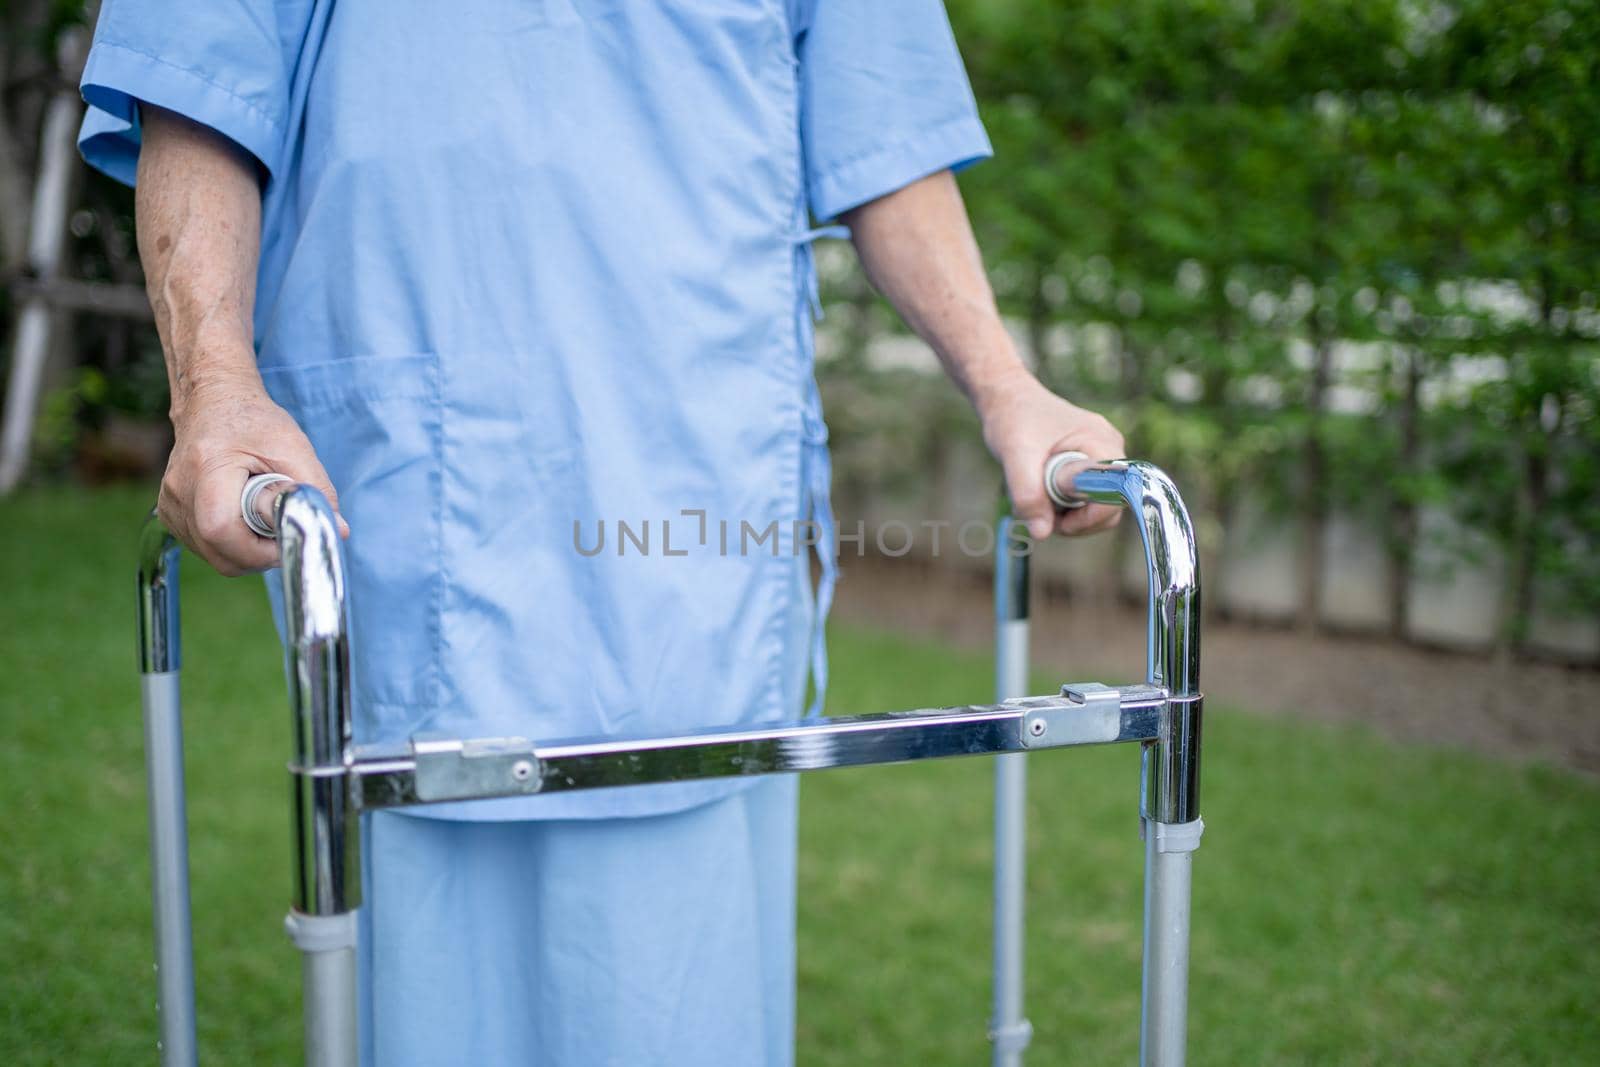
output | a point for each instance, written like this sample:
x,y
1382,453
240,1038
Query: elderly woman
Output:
x,y
494,269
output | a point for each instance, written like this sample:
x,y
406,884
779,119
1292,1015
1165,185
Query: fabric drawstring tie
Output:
x,y
819,484
818,465
813,289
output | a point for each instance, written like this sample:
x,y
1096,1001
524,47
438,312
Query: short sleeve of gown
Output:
x,y
885,100
221,63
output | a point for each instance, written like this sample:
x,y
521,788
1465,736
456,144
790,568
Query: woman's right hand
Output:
x,y
226,432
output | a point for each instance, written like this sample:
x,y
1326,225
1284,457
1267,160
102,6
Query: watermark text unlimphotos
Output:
x,y
693,532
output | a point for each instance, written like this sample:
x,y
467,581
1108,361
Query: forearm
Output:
x,y
917,248
198,209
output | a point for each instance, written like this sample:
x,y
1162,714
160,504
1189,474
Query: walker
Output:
x,y
333,780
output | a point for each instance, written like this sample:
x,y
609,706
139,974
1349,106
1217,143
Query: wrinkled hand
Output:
x,y
1024,424
227,432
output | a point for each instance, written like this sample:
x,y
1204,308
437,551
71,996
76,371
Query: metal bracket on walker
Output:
x,y
1095,715
453,769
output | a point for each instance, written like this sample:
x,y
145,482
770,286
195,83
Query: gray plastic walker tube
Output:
x,y
330,991
1163,1029
327,944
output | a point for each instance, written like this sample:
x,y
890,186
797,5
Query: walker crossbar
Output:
x,y
427,771
333,779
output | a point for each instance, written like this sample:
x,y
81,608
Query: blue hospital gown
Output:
x,y
534,268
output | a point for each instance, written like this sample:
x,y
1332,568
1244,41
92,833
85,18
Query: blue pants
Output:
x,y
665,940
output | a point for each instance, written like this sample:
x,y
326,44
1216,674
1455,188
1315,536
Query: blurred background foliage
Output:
x,y
1338,254
1335,255
106,383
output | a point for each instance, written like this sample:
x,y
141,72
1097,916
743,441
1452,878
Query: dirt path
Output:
x,y
1522,711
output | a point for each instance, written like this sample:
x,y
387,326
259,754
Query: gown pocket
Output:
x,y
375,425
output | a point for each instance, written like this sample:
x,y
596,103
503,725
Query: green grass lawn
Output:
x,y
1355,901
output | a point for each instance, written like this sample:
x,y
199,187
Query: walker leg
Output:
x,y
169,867
327,944
1168,860
159,661
1009,1030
